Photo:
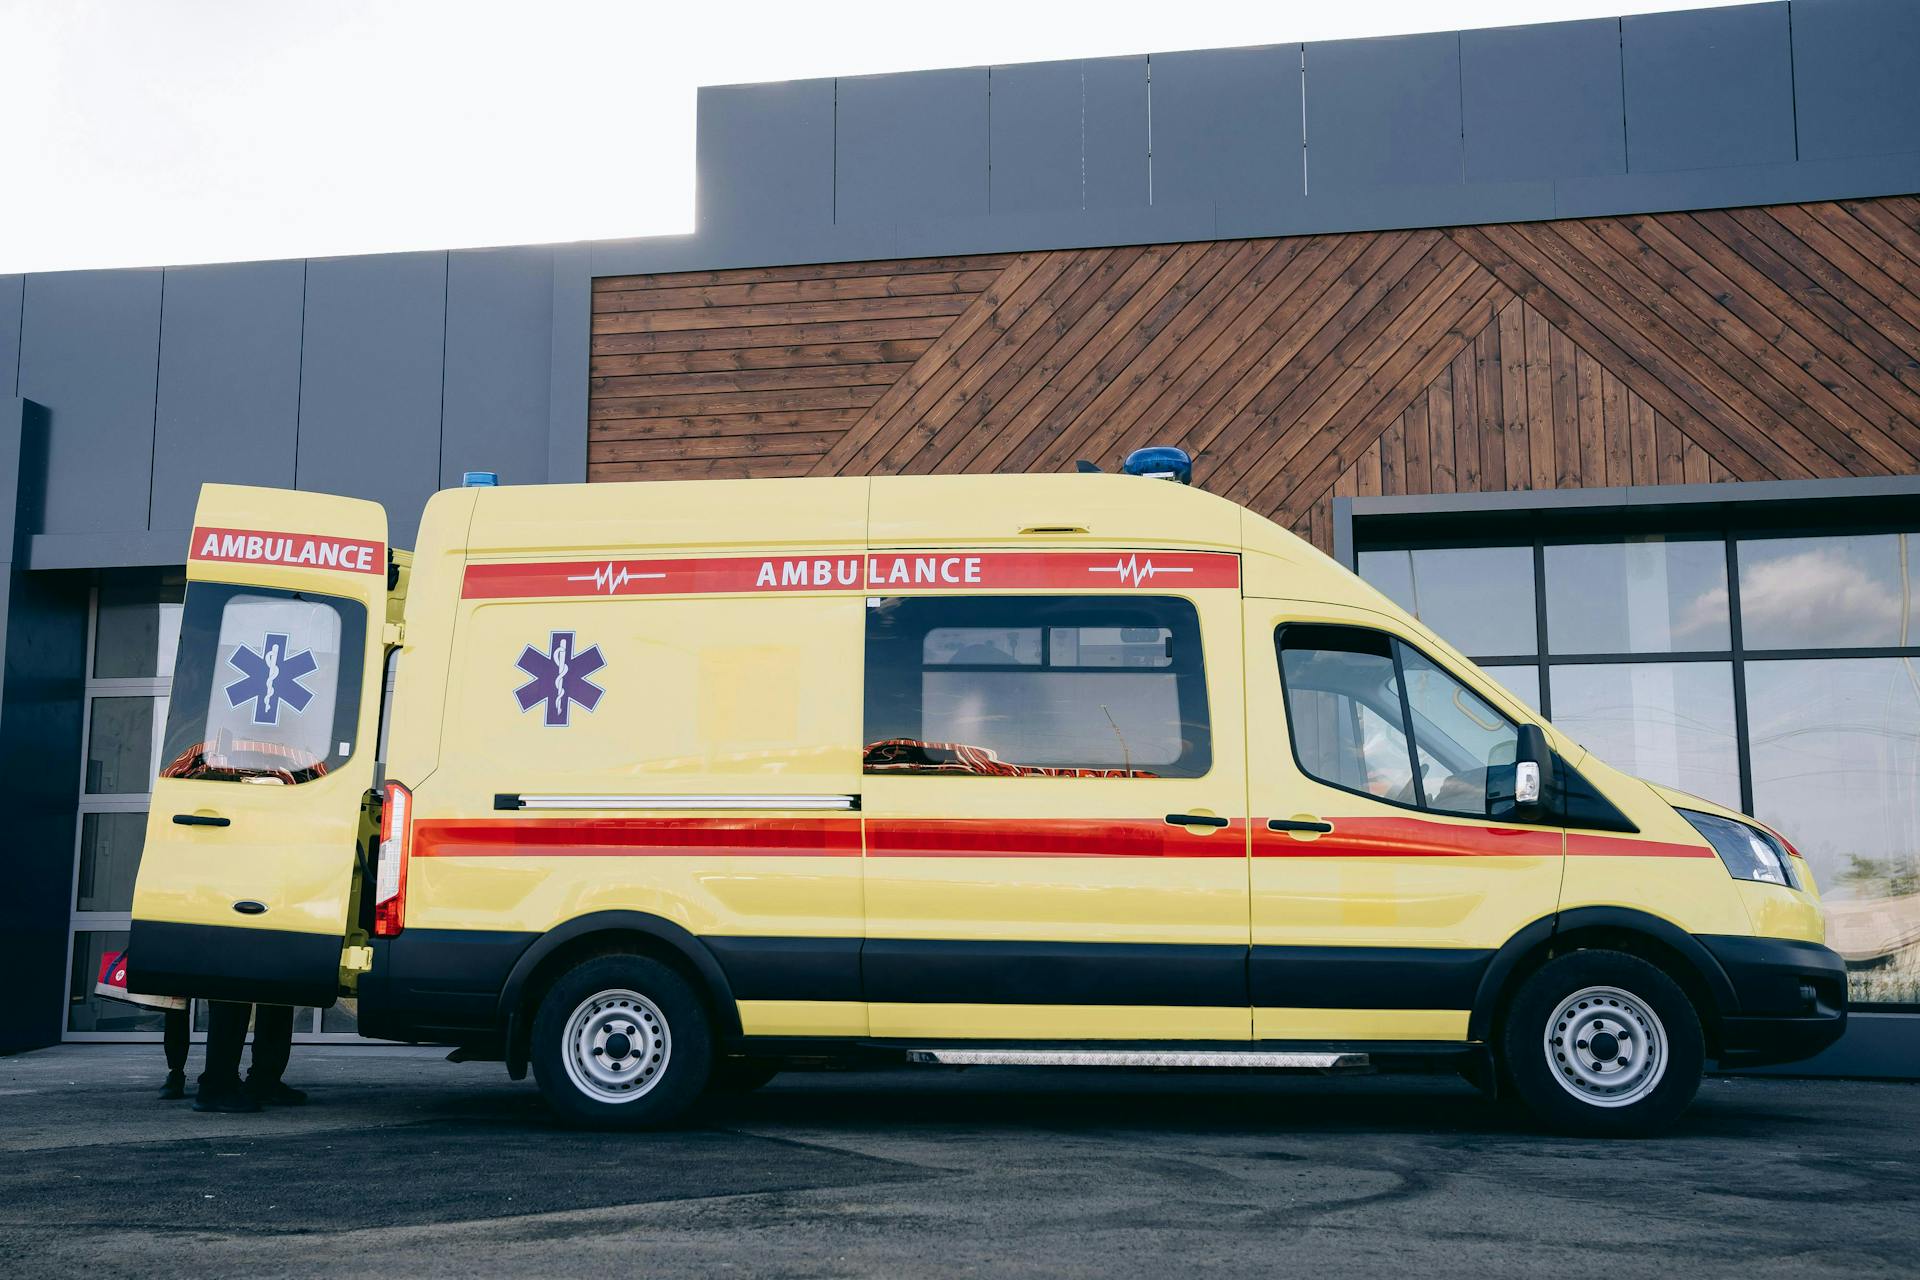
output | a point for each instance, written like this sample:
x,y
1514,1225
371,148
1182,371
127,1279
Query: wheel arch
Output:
x,y
1658,941
599,933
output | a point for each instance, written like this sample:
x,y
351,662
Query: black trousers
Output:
x,y
227,1030
177,1036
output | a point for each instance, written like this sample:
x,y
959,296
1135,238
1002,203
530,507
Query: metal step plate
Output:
x,y
1250,1060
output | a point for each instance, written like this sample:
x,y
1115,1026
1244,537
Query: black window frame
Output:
x,y
1176,614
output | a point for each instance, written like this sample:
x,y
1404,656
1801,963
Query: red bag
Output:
x,y
112,984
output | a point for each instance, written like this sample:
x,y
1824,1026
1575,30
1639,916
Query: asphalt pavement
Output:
x,y
404,1164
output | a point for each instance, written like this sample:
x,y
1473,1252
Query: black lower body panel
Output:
x,y
1367,977
438,985
225,962
1791,999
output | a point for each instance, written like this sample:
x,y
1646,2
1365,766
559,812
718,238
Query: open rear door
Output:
x,y
246,882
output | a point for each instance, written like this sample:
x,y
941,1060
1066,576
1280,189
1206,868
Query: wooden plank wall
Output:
x,y
1745,344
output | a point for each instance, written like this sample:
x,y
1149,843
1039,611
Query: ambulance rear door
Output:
x,y
246,882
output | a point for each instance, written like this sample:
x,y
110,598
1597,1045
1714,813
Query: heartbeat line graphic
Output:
x,y
1136,571
610,577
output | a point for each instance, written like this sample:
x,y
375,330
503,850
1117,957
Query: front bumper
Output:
x,y
1790,999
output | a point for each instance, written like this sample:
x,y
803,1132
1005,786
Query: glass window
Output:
x,y
1644,595
87,1011
110,845
267,684
1829,593
120,745
1020,686
137,625
1461,738
1478,599
1667,722
1349,722
1839,775
1522,681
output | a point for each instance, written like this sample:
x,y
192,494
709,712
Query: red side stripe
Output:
x,y
1579,844
1048,838
1408,838
673,837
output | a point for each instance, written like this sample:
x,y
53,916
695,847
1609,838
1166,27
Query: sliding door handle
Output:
x,y
1195,820
201,820
1293,824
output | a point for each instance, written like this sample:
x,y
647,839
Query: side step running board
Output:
x,y
1251,1060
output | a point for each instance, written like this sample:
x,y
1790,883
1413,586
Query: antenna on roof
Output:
x,y
1085,468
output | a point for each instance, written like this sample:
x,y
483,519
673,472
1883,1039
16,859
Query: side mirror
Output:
x,y
1532,774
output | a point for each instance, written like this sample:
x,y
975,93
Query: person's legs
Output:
x,y
272,1046
220,1083
175,1037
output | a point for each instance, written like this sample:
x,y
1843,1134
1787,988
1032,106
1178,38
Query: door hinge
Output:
x,y
356,959
393,634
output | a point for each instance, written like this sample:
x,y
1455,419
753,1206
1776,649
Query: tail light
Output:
x,y
390,872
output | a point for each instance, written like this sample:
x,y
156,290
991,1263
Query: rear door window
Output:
x,y
1036,686
266,687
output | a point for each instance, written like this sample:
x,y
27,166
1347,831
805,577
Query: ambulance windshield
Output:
x,y
266,687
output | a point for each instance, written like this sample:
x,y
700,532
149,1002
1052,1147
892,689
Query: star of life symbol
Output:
x,y
560,678
1135,571
271,679
610,577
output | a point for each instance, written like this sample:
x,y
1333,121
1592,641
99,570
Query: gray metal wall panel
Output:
x,y
1708,88
764,152
1383,112
1034,112
1543,101
370,381
911,146
229,399
1114,148
12,289
89,347
1856,70
499,324
1226,126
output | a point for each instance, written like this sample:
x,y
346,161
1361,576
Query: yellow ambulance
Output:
x,y
680,782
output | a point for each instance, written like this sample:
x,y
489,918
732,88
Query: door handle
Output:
x,y
1290,824
201,820
1195,820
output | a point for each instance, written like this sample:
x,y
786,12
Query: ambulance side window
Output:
x,y
266,685
1036,686
1372,715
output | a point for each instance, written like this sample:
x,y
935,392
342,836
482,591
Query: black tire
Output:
x,y
612,1015
742,1075
1626,1045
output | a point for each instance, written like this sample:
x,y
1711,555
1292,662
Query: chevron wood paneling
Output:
x,y
1745,344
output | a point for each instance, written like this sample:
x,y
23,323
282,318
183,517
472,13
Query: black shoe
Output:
x,y
233,1101
176,1086
277,1094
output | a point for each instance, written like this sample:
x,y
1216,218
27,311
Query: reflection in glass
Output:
x,y
89,1012
342,1017
1522,681
137,627
1836,768
1478,599
1460,738
1667,722
1644,595
109,858
1829,593
120,746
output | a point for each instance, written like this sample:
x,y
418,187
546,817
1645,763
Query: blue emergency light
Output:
x,y
1160,462
480,480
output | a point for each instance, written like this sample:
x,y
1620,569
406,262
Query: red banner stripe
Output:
x,y
887,571
1049,838
672,837
288,550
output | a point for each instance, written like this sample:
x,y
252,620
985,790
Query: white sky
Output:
x,y
137,132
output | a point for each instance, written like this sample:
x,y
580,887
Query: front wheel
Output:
x,y
621,1042
1603,1044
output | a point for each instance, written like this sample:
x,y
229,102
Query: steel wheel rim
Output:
x,y
616,1046
1606,1047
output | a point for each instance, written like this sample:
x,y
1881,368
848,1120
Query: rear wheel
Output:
x,y
621,1042
1604,1044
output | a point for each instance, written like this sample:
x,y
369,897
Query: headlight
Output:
x,y
1750,853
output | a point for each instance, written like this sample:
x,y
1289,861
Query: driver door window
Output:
x,y
1370,715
